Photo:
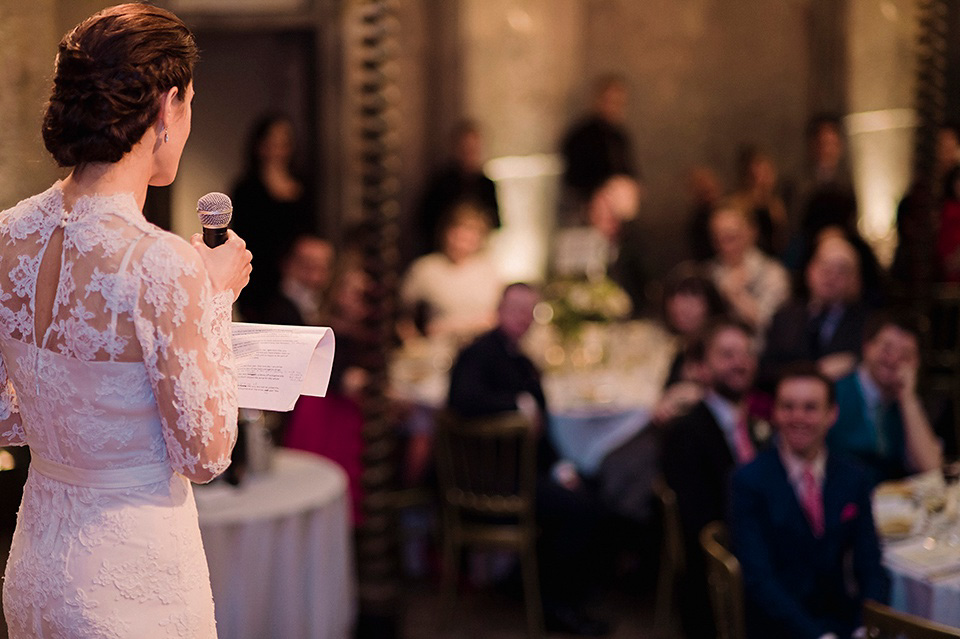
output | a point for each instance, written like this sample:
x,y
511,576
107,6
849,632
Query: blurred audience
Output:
x,y
948,234
608,244
882,421
596,148
920,210
753,284
332,426
453,292
272,206
825,325
801,523
461,180
700,451
758,195
827,170
690,302
705,193
305,275
491,376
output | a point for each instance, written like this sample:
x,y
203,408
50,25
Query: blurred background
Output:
x,y
703,76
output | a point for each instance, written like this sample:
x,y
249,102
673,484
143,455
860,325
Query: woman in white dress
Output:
x,y
115,354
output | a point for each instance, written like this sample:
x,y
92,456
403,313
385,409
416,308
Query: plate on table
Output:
x,y
896,515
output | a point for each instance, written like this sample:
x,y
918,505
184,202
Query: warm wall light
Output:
x,y
881,152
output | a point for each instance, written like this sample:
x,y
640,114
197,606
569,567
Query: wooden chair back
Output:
x,y
487,466
672,554
487,469
725,582
883,622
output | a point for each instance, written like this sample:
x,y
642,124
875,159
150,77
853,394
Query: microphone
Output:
x,y
214,210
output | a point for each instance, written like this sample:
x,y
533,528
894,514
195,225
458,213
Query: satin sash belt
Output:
x,y
102,477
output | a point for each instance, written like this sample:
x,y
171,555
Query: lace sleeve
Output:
x,y
11,430
184,333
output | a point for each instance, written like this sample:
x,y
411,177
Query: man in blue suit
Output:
x,y
801,523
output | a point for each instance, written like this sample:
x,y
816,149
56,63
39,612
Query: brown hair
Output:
x,y
722,323
903,320
807,370
110,72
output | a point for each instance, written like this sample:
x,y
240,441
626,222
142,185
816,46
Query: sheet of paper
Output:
x,y
276,364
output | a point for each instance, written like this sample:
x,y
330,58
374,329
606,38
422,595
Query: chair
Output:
x,y
724,581
883,622
487,473
672,556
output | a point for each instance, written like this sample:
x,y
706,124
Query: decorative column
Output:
x,y
372,27
930,98
929,104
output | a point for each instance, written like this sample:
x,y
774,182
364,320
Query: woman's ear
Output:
x,y
169,101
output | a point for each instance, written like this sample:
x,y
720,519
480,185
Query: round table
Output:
x,y
280,551
595,405
924,563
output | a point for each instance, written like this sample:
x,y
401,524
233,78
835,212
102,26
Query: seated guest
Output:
x,y
332,426
801,523
460,180
705,192
690,302
492,375
305,274
701,449
753,284
609,243
758,196
826,327
874,283
882,421
454,292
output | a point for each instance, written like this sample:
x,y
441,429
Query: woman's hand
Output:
x,y
228,265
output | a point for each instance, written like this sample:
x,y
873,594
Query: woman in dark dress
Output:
x,y
272,206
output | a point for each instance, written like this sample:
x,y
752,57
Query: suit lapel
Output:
x,y
788,495
715,439
834,495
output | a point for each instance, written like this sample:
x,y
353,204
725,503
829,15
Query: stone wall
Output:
x,y
29,33
704,77
28,37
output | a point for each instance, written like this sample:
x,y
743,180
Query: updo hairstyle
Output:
x,y
111,70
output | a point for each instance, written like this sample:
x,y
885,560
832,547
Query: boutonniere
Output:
x,y
762,430
848,513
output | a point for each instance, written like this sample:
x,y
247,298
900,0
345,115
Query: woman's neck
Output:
x,y
128,175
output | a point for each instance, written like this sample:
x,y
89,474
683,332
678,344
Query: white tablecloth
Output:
x,y
597,403
280,551
934,599
924,566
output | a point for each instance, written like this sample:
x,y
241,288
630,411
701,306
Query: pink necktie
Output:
x,y
741,439
812,502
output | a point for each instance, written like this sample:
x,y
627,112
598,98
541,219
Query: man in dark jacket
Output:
x,y
825,326
701,450
802,525
491,376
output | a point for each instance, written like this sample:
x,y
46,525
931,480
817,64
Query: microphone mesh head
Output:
x,y
214,210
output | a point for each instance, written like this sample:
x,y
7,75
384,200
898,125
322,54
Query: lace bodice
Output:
x,y
135,366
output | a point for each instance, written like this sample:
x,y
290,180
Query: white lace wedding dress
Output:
x,y
125,393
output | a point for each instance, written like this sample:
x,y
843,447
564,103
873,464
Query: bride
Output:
x,y
115,353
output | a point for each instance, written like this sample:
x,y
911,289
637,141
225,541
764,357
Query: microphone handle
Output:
x,y
214,237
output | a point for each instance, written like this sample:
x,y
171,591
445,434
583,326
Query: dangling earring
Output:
x,y
166,136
